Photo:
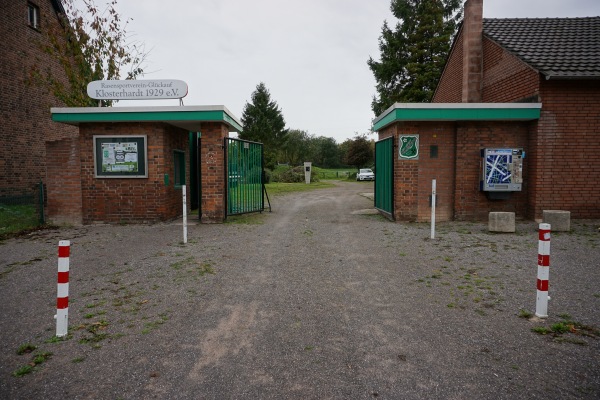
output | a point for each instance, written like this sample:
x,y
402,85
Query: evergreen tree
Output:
x,y
263,122
414,53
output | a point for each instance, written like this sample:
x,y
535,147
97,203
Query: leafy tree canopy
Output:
x,y
296,148
90,44
360,152
414,53
326,152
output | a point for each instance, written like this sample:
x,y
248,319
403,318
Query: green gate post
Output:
x,y
384,176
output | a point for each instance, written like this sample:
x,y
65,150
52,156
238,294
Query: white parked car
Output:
x,y
365,174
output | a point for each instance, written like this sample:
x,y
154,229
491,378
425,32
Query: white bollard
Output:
x,y
62,292
184,214
433,194
541,304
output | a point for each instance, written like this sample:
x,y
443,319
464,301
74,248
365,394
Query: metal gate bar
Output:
x,y
244,176
384,176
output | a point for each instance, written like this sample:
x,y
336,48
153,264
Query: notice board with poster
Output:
x,y
120,156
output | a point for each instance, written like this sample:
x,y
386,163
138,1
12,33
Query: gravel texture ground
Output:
x,y
317,299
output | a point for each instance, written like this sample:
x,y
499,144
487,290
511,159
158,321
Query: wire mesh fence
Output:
x,y
327,174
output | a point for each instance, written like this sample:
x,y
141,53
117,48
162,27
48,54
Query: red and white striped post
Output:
x,y
62,294
541,304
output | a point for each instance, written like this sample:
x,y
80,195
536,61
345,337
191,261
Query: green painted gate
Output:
x,y
244,175
384,176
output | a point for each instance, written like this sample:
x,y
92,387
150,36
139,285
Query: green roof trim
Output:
x,y
186,117
401,112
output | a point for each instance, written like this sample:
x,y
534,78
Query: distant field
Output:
x,y
340,173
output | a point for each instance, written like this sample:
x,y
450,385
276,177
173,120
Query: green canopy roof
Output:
x,y
185,117
400,112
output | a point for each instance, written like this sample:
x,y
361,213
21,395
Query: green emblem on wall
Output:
x,y
409,147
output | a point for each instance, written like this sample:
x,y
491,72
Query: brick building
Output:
x,y
25,123
37,145
552,64
167,148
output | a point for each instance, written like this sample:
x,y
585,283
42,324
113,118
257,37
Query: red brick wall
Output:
x,y
175,139
506,78
456,169
449,89
567,160
406,190
64,182
471,137
562,160
116,200
442,135
412,186
212,169
25,122
472,51
387,132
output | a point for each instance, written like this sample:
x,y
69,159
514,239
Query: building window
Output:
x,y
120,156
33,16
433,151
179,171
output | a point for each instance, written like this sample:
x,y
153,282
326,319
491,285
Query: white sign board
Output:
x,y
137,89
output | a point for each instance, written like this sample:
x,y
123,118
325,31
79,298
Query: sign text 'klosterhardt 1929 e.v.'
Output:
x,y
137,89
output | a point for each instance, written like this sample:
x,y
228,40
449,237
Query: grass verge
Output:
x,y
38,359
567,326
17,218
277,188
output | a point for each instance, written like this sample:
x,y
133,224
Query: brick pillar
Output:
x,y
212,172
63,182
406,178
472,51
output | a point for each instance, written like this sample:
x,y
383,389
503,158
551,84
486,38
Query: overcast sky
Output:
x,y
311,54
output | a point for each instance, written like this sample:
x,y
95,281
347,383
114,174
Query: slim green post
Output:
x,y
41,200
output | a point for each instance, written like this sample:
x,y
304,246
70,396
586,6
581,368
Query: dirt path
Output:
x,y
310,301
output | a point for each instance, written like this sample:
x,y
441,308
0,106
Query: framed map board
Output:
x,y
502,170
120,156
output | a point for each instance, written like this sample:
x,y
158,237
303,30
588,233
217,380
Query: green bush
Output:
x,y
291,175
560,327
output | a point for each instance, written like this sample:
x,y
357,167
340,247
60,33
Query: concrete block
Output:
x,y
501,221
560,221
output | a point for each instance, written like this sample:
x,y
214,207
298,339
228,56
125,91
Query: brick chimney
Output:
x,y
472,51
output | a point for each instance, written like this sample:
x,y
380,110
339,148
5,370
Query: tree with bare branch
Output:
x,y
91,43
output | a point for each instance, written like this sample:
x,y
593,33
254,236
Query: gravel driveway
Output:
x,y
317,299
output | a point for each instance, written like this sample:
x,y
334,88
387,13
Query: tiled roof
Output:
x,y
563,48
